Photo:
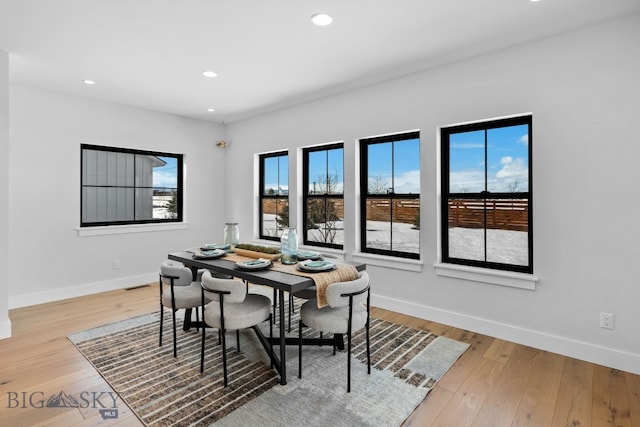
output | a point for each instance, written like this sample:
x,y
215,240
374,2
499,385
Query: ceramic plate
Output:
x,y
211,246
311,266
214,253
255,264
302,255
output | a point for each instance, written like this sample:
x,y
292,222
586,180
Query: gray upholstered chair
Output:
x,y
346,313
231,308
178,291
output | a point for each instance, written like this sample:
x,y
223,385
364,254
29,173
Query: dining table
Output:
x,y
281,280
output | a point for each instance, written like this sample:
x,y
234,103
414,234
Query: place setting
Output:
x,y
254,264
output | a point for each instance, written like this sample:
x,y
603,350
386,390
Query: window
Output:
x,y
486,194
123,186
390,188
274,194
323,197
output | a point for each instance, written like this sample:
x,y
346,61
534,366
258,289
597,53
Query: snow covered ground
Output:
x,y
502,245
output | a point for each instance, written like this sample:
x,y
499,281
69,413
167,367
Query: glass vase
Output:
x,y
289,246
231,234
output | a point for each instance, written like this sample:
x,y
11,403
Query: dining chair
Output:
x,y
306,294
347,312
230,308
178,291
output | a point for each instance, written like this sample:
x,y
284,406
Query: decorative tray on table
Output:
x,y
256,251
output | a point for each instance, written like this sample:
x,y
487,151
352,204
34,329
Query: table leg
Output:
x,y
283,341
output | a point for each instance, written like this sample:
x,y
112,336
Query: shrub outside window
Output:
x,y
122,186
274,194
390,188
486,194
323,196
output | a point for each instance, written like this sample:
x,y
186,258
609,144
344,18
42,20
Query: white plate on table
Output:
x,y
212,246
209,254
254,264
304,255
315,266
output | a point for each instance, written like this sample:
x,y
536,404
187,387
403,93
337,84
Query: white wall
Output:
x,y
47,259
583,90
5,323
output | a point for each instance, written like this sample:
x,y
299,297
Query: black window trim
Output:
x,y
364,192
262,195
485,125
179,161
325,197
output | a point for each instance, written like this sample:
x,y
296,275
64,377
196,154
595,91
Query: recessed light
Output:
x,y
89,82
210,74
321,19
211,110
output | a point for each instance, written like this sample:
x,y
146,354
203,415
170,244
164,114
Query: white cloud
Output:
x,y
165,179
408,182
524,139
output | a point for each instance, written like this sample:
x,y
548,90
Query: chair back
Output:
x,y
235,291
335,293
183,275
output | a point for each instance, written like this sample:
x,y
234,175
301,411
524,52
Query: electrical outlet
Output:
x,y
606,320
115,264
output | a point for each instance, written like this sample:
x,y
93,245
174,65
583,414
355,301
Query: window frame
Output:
x,y
446,195
365,196
263,196
324,197
180,189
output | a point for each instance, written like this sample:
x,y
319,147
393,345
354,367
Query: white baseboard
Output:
x,y
25,300
5,329
625,361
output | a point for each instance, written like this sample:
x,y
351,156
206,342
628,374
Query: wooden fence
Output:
x,y
503,214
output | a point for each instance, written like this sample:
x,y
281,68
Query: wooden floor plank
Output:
x,y
539,398
610,399
574,403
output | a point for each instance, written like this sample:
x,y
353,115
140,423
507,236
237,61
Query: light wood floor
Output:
x,y
495,383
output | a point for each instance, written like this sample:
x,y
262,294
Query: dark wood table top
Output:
x,y
269,277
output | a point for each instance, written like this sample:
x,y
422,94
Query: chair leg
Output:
x,y
224,356
175,337
275,303
202,346
290,310
238,339
161,322
368,350
349,363
197,319
300,349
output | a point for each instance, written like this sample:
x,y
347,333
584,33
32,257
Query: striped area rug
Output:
x,y
166,391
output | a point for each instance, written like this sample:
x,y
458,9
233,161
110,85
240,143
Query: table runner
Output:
x,y
322,280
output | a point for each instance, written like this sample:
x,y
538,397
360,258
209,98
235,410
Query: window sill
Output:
x,y
126,229
389,262
484,275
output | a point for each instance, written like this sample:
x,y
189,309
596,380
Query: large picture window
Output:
x,y
323,199
274,194
123,186
390,188
486,194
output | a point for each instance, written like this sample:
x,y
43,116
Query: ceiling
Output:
x,y
267,54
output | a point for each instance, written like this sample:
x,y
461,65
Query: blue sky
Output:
x,y
507,160
166,176
404,165
406,168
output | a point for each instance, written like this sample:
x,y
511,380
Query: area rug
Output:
x,y
166,391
